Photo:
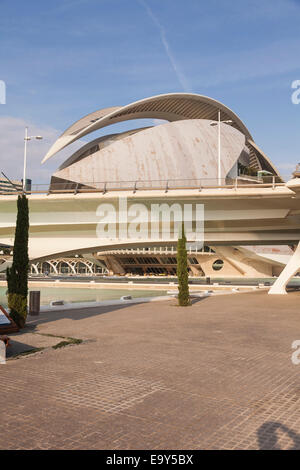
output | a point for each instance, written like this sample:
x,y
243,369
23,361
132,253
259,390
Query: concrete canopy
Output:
x,y
169,107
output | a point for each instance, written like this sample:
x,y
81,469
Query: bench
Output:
x,y
7,325
5,339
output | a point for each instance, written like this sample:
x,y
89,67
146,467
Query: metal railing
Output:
x,y
103,187
158,250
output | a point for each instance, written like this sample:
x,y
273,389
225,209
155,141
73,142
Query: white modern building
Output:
x,y
200,152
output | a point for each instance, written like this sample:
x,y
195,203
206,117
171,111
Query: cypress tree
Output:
x,y
17,275
182,271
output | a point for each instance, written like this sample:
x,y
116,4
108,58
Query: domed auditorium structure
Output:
x,y
182,151
197,142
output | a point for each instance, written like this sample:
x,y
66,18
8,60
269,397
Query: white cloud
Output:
x,y
12,131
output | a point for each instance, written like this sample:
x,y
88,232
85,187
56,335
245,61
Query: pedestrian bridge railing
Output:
x,y
242,181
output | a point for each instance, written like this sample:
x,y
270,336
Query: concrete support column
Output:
x,y
194,269
293,266
113,265
35,267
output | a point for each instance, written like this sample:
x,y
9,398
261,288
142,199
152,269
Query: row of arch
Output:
x,y
67,266
60,266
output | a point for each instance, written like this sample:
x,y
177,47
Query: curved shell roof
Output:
x,y
97,144
170,107
184,150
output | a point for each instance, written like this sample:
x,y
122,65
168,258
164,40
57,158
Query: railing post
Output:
x,y
236,184
273,182
167,187
135,188
76,189
104,189
200,187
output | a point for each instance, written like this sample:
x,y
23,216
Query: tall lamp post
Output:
x,y
26,139
229,121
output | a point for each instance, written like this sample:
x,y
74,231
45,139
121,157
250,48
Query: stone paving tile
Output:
x,y
217,375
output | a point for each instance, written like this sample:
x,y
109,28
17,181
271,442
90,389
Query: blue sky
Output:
x,y
65,58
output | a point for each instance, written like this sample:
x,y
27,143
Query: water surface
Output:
x,y
81,294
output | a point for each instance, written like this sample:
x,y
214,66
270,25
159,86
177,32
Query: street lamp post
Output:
x,y
26,139
219,149
228,121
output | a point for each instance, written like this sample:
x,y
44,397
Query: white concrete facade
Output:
x,y
183,155
67,223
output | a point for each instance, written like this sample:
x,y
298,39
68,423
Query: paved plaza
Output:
x,y
216,375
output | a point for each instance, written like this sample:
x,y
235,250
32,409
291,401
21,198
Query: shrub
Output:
x,y
17,275
182,271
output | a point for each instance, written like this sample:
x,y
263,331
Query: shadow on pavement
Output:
x,y
17,347
76,314
267,436
86,312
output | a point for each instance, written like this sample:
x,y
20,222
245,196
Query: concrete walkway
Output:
x,y
216,375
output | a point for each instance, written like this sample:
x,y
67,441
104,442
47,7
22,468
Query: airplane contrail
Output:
x,y
179,74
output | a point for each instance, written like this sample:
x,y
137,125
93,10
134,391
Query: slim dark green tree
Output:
x,y
182,271
17,275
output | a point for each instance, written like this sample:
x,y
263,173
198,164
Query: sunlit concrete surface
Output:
x,y
217,375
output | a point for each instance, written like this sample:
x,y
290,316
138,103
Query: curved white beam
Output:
x,y
170,107
292,268
264,157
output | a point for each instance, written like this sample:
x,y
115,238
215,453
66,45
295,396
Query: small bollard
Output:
x,y
34,302
2,351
